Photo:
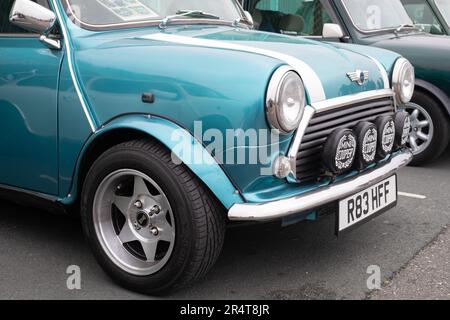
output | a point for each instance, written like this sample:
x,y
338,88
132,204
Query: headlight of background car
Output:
x,y
286,100
403,80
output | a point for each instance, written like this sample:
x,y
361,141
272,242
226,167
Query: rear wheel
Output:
x,y
152,225
430,129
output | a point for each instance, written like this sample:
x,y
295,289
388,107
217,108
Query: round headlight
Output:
x,y
286,100
403,80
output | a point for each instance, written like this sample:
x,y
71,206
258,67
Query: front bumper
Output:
x,y
312,200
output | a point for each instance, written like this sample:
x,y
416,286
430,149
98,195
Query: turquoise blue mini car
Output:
x,y
161,122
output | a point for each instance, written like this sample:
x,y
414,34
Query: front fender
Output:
x,y
183,146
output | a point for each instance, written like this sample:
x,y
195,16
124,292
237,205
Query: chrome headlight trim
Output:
x,y
274,109
403,88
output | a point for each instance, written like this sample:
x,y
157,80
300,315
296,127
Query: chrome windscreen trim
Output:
x,y
141,23
309,201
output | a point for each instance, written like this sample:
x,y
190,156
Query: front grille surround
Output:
x,y
306,157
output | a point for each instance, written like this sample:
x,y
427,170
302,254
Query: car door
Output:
x,y
28,108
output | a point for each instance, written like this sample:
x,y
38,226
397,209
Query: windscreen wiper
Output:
x,y
188,14
404,27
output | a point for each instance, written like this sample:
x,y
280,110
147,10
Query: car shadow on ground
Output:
x,y
442,162
249,251
302,261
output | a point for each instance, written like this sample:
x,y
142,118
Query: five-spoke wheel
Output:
x,y
151,223
134,221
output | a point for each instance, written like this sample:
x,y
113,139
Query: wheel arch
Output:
x,y
139,126
436,93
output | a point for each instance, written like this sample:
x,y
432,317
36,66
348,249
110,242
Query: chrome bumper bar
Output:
x,y
312,200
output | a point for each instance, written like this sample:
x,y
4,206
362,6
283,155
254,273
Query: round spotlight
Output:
x,y
386,135
367,140
339,151
402,128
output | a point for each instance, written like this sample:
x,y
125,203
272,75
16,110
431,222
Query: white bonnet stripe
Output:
x,y
383,73
311,80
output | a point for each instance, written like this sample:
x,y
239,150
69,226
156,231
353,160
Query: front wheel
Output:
x,y
152,225
430,129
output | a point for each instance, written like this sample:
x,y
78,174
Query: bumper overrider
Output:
x,y
322,196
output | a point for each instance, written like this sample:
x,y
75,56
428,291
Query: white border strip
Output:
x,y
70,63
311,80
383,71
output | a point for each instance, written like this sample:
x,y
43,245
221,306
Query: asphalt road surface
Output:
x,y
427,276
304,261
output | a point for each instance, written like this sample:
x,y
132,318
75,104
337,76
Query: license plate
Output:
x,y
367,204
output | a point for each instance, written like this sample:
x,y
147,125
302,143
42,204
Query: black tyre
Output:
x,y
151,223
430,129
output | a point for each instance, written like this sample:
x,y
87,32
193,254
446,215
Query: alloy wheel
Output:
x,y
134,222
422,129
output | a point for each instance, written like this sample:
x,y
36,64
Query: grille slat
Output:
x,y
312,144
305,160
346,119
331,115
310,152
317,134
308,166
322,124
311,174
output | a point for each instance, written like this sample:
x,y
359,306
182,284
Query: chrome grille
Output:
x,y
309,164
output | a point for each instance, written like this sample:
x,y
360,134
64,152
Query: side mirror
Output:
x,y
249,17
33,17
332,30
